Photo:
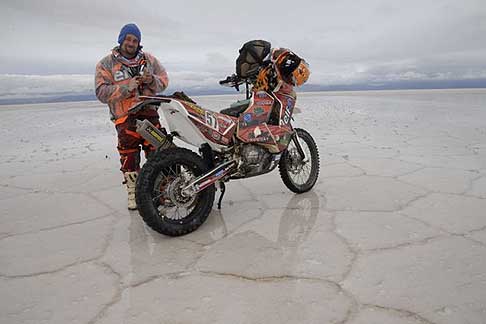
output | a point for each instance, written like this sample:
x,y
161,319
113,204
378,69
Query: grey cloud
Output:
x,y
344,41
22,86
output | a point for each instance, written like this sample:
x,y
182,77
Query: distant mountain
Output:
x,y
390,85
400,85
48,99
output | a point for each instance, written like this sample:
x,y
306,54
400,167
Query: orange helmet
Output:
x,y
292,68
301,74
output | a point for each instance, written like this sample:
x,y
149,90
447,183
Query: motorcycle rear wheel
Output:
x,y
158,192
297,175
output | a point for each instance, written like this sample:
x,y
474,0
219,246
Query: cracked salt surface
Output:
x,y
393,232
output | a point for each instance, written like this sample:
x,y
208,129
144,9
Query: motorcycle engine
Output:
x,y
255,159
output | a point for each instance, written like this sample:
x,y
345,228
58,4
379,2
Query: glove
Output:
x,y
134,83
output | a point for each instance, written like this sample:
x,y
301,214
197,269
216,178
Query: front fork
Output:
x,y
298,145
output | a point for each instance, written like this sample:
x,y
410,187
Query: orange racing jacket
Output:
x,y
113,74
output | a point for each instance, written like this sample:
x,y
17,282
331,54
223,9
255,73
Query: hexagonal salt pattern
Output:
x,y
394,231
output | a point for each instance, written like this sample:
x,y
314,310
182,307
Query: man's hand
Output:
x,y
133,83
147,77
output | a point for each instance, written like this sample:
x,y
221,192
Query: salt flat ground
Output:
x,y
393,232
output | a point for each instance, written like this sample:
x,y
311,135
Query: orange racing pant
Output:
x,y
129,142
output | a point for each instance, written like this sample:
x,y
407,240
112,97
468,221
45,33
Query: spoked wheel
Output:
x,y
160,199
298,174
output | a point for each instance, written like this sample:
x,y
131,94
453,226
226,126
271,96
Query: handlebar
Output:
x,y
232,81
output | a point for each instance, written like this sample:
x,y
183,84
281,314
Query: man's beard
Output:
x,y
129,52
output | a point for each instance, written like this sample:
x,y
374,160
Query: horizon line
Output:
x,y
91,97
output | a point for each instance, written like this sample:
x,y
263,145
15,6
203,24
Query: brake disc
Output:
x,y
174,193
296,163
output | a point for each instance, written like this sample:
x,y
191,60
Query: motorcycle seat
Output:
x,y
237,108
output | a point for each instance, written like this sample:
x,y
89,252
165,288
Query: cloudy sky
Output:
x,y
53,46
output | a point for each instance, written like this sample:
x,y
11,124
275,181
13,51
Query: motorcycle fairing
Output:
x,y
287,104
252,123
254,126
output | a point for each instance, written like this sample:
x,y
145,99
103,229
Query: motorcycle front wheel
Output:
x,y
298,174
159,196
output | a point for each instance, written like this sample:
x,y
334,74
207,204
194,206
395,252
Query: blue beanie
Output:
x,y
129,29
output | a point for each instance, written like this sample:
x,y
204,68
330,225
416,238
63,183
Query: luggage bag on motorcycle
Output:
x,y
251,57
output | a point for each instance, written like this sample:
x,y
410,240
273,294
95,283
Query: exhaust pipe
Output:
x,y
153,135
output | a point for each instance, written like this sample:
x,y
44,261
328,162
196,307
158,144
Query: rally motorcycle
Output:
x,y
176,187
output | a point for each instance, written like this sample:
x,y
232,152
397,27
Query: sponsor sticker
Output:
x,y
119,75
196,108
257,132
288,108
204,183
261,94
259,111
264,102
154,133
259,139
290,102
225,119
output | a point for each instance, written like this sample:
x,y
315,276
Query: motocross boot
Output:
x,y
130,181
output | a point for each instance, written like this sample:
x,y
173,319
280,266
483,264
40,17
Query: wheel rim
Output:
x,y
167,196
299,172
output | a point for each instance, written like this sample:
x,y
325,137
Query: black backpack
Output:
x,y
251,58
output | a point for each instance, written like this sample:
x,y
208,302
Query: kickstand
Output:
x,y
222,187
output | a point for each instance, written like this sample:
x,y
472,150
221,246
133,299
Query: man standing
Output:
x,y
121,77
